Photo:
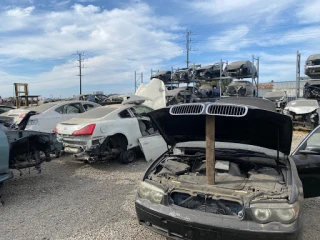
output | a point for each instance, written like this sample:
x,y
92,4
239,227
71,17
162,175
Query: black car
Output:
x,y
307,159
257,192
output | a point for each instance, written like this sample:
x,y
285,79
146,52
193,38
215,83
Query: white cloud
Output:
x,y
309,12
239,11
230,40
117,42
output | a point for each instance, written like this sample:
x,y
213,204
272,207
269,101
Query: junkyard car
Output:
x,y
240,88
304,112
45,117
23,149
279,98
4,108
307,160
209,72
183,75
179,95
165,76
257,192
241,69
311,89
113,131
312,67
5,173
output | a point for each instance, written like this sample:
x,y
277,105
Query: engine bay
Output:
x,y
235,179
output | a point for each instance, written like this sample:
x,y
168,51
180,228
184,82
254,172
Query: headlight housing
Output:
x,y
284,213
150,192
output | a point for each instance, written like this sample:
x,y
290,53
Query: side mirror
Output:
x,y
311,150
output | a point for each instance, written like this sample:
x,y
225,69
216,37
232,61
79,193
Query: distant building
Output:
x,y
263,88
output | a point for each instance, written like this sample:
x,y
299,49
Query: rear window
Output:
x,y
43,107
98,112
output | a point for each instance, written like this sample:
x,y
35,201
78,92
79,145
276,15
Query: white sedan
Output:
x,y
45,117
113,131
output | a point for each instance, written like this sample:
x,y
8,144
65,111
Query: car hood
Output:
x,y
301,110
257,127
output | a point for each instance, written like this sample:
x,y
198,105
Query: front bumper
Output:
x,y
179,223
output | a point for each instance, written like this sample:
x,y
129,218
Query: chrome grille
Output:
x,y
226,110
187,109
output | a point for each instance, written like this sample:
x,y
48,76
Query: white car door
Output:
x,y
151,143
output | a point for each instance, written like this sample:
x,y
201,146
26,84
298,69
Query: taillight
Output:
x,y
55,130
87,130
22,115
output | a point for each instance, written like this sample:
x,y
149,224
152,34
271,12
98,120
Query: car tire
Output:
x,y
128,156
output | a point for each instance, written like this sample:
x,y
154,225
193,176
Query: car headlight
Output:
x,y
150,192
32,122
284,213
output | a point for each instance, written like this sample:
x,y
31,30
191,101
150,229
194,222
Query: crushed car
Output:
x,y
183,75
209,72
164,76
180,95
304,112
311,89
112,132
312,66
226,175
240,88
279,98
241,69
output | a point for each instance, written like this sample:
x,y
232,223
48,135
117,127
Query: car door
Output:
x,y
151,143
307,160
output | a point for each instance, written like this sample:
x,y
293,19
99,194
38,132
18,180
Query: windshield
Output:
x,y
44,107
303,103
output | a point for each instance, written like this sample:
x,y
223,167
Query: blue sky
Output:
x,y
39,40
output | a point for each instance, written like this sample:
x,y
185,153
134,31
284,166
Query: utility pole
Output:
x,y
80,60
188,46
298,75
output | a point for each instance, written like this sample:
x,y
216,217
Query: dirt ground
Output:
x,y
72,200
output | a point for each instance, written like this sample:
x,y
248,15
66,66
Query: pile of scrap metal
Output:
x,y
240,88
279,98
312,89
312,67
209,72
304,112
241,69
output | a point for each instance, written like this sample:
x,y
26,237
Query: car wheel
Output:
x,y
128,156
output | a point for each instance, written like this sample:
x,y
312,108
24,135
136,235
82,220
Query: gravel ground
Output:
x,y
72,200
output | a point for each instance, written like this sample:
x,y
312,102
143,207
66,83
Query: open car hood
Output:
x,y
255,126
